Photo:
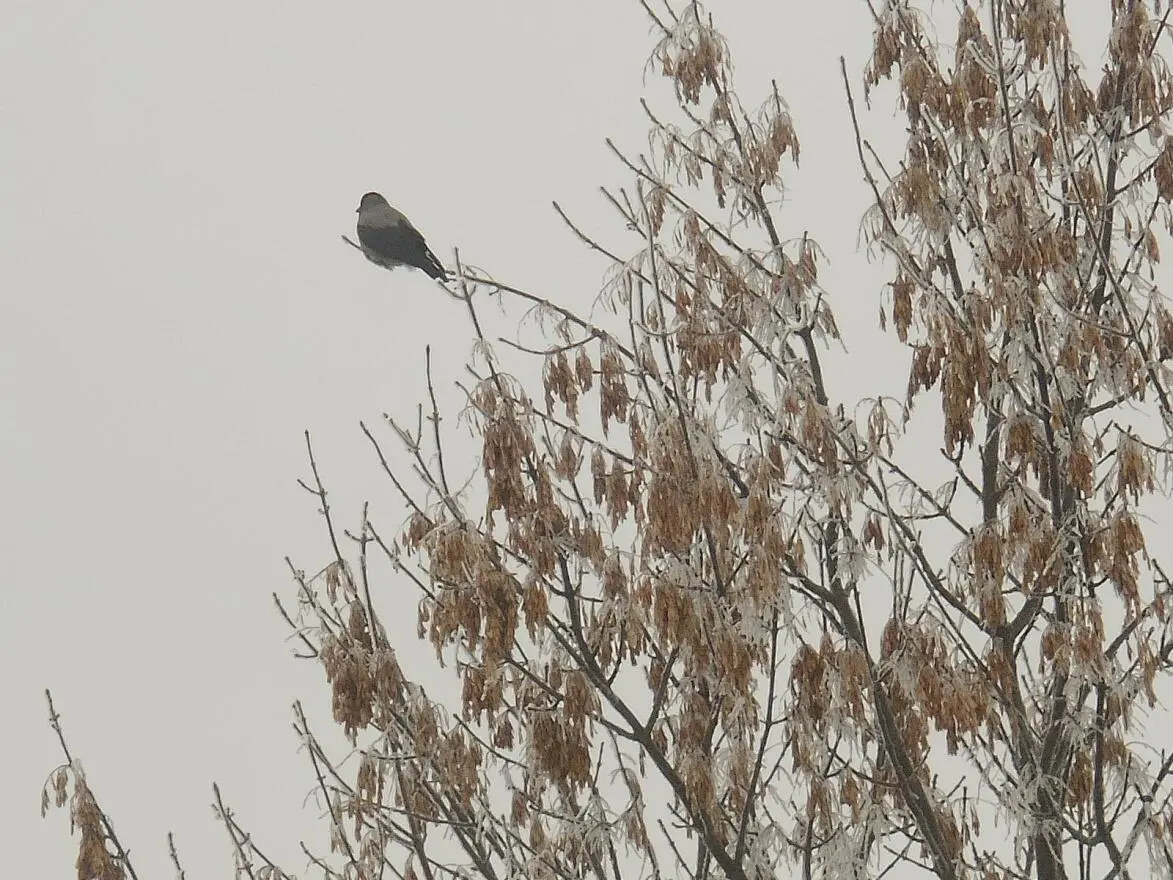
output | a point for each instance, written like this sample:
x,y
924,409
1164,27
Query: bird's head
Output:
x,y
369,201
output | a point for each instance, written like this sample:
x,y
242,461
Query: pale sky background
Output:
x,y
177,308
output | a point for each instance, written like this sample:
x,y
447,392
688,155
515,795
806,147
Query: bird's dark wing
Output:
x,y
400,245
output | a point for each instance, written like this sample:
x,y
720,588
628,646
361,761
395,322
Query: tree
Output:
x,y
707,618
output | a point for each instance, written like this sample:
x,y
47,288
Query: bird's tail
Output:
x,y
434,268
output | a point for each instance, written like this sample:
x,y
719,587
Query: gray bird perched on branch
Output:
x,y
389,239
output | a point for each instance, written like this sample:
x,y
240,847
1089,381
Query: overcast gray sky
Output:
x,y
178,308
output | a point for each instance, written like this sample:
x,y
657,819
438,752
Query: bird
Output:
x,y
389,239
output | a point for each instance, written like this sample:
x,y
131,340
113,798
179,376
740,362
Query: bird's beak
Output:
x,y
359,208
